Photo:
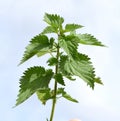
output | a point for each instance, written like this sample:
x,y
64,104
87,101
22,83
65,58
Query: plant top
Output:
x,y
65,59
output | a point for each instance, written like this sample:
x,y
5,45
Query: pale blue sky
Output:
x,y
20,20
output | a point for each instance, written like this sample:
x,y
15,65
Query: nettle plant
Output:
x,y
65,62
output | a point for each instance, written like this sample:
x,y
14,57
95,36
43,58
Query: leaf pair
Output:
x,y
46,94
75,63
55,26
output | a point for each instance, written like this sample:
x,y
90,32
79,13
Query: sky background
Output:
x,y
20,20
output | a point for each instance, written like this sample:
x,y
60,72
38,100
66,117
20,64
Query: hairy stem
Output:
x,y
55,88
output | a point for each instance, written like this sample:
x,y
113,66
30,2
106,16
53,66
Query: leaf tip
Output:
x,y
98,80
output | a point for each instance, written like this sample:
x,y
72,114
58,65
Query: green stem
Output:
x,y
55,88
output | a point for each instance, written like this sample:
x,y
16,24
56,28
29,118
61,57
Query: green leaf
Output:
x,y
49,49
69,77
49,29
44,95
68,97
34,78
58,77
88,39
72,27
98,80
66,74
69,45
65,95
60,91
39,45
80,66
53,20
52,61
